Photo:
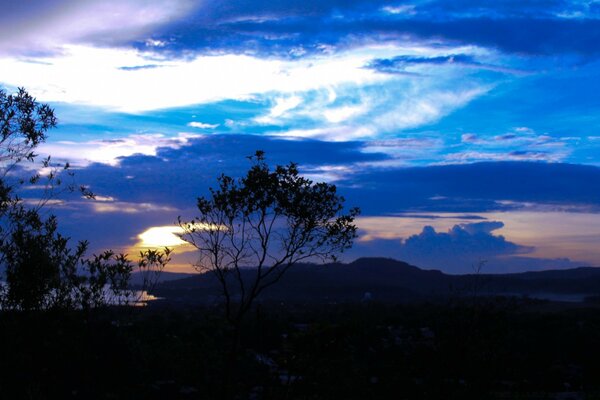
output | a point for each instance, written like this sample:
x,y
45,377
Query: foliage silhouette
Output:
x,y
265,222
41,270
251,230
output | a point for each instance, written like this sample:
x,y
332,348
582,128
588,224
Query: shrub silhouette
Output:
x,y
41,270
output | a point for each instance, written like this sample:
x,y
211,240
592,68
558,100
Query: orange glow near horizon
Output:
x,y
552,234
159,237
557,234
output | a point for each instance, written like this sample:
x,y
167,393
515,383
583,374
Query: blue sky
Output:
x,y
465,130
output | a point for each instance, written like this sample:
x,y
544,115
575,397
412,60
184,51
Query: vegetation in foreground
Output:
x,y
502,348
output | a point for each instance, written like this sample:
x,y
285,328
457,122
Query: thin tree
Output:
x,y
253,229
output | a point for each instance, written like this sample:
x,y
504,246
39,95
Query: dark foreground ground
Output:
x,y
477,349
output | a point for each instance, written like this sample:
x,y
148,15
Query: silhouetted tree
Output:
x,y
251,230
44,272
41,270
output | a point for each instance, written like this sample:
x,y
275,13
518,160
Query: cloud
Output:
x,y
465,239
44,26
406,64
461,249
92,76
455,251
148,190
518,144
373,175
120,207
417,111
469,138
293,29
109,151
371,111
486,227
516,155
202,125
280,108
149,178
472,187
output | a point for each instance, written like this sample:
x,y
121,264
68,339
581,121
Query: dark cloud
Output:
x,y
456,251
485,228
473,187
498,9
431,216
280,28
461,250
400,63
176,176
508,136
461,243
293,28
523,35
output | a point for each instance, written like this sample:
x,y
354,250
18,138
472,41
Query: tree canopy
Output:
x,y
39,269
251,230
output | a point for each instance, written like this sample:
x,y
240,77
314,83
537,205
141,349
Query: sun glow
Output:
x,y
161,236
171,236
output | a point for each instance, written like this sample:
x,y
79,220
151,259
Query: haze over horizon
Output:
x,y
464,130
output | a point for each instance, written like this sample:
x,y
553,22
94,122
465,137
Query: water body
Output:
x,y
136,298
559,297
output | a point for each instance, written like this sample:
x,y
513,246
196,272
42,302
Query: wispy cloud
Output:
x,y
120,207
202,125
109,151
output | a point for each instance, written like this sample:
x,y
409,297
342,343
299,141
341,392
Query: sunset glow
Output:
x,y
161,236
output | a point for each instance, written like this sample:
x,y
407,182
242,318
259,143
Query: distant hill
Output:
x,y
137,277
388,280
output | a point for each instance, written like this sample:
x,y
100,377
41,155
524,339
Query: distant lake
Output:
x,y
137,298
560,297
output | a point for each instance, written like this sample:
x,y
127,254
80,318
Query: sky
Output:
x,y
466,131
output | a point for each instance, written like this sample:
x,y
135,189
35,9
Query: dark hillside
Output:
x,y
384,279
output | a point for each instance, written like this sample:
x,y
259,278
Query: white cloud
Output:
x,y
473,156
406,9
336,134
95,76
202,125
46,28
424,108
376,110
523,129
282,105
119,79
327,173
107,199
109,151
339,114
129,208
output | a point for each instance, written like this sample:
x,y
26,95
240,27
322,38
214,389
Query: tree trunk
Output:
x,y
231,373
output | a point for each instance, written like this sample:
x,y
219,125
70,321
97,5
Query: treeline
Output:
x,y
500,349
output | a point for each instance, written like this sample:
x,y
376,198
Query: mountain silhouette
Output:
x,y
385,279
